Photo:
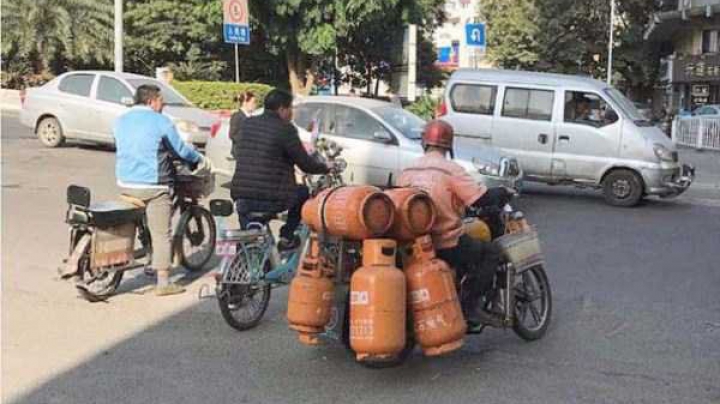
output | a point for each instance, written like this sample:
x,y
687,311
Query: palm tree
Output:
x,y
42,29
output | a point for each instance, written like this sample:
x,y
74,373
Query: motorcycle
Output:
x,y
520,296
103,236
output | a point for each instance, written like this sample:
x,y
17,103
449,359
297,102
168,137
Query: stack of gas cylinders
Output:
x,y
394,227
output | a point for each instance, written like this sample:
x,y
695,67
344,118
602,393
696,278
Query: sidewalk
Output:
x,y
9,100
707,166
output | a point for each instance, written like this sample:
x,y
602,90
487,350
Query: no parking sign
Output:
x,y
235,22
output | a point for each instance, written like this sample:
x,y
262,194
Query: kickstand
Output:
x,y
205,292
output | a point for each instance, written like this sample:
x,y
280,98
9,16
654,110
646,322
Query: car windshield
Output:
x,y
169,94
407,123
627,107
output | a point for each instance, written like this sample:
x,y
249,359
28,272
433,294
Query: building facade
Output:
x,y
450,41
688,34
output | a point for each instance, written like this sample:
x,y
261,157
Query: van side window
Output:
x,y
473,99
528,104
590,109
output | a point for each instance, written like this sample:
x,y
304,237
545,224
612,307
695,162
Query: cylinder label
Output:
x,y
360,297
419,296
362,329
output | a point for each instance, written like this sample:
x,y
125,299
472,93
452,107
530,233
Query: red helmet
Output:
x,y
439,134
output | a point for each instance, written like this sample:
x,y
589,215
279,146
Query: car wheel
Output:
x,y
623,188
50,132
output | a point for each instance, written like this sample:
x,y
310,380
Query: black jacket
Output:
x,y
266,151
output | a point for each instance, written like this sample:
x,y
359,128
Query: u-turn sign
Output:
x,y
475,34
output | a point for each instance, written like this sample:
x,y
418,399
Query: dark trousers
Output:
x,y
476,259
246,206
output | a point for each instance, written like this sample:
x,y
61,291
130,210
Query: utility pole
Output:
x,y
610,42
118,35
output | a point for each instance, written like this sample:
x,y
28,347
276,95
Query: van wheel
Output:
x,y
49,132
623,188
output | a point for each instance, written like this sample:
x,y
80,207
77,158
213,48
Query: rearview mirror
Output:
x,y
127,101
382,136
611,116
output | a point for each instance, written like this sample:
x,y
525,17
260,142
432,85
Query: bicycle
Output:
x,y
251,265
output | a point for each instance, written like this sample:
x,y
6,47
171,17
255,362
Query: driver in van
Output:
x,y
453,190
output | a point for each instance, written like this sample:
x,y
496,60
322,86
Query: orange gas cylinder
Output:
x,y
377,303
414,213
438,320
352,212
311,295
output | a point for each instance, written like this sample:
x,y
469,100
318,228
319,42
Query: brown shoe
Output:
x,y
169,289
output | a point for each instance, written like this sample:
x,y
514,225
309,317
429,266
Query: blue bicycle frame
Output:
x,y
259,250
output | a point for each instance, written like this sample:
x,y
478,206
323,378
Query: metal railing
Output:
x,y
697,131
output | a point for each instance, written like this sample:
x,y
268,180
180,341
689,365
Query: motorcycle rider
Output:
x,y
453,190
146,143
266,152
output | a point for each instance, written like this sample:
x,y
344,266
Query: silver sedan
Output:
x,y
83,105
379,140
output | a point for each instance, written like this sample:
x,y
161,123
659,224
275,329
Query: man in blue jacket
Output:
x,y
147,142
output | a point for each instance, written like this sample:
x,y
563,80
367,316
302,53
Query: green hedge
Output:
x,y
218,94
424,107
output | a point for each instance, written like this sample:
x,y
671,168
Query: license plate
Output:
x,y
227,249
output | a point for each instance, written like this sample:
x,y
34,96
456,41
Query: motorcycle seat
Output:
x,y
261,217
114,213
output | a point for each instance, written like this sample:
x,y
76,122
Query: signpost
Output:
x,y
475,38
475,35
236,29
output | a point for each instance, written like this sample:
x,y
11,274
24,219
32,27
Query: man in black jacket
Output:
x,y
267,150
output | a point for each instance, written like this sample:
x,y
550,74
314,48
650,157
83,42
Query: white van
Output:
x,y
565,130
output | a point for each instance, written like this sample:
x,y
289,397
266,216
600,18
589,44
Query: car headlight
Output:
x,y
486,168
187,126
663,153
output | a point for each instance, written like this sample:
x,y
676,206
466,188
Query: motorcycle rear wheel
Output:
x,y
532,299
93,286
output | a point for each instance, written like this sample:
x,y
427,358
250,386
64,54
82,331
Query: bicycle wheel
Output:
x,y
92,286
533,304
195,237
242,296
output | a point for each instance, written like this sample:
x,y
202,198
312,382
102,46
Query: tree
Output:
x,y
187,36
160,32
46,31
310,31
373,48
571,36
512,30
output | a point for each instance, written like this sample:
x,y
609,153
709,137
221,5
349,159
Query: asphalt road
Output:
x,y
636,313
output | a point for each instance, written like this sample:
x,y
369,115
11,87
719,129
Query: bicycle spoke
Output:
x,y
535,313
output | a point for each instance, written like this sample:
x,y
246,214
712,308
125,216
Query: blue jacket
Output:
x,y
146,142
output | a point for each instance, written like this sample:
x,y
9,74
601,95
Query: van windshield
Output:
x,y
627,107
170,96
